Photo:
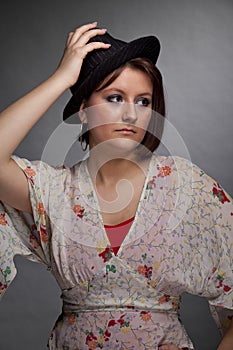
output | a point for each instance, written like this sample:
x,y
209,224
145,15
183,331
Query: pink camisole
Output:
x,y
117,233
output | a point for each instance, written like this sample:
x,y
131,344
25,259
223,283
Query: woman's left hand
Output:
x,y
169,347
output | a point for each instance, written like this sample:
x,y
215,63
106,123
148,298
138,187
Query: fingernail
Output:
x,y
94,23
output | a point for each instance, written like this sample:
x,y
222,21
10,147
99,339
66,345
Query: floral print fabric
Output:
x,y
180,241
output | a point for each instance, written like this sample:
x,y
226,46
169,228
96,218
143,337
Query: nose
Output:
x,y
129,114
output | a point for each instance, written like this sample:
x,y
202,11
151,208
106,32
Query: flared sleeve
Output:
x,y
22,233
217,210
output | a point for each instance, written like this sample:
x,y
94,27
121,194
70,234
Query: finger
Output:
x,y
168,347
92,46
69,38
90,34
81,30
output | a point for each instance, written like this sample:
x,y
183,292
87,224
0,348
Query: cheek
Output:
x,y
144,121
100,133
101,115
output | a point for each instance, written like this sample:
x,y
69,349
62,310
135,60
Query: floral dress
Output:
x,y
179,241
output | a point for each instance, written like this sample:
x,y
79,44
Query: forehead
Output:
x,y
131,78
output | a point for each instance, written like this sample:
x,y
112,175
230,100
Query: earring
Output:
x,y
80,138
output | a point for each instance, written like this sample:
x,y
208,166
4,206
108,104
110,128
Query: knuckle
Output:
x,y
97,31
81,52
94,45
77,50
91,33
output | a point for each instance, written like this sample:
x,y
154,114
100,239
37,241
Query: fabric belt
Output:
x,y
71,303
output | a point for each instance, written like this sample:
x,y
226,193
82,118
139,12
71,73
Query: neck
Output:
x,y
106,170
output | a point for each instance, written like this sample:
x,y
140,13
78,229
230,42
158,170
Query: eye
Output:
x,y
143,101
115,98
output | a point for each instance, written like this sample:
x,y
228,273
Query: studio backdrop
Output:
x,y
196,63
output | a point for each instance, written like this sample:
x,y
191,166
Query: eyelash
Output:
x,y
143,99
112,97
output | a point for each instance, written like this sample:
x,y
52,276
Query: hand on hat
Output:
x,y
77,47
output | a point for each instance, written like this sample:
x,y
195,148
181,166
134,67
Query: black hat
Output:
x,y
101,62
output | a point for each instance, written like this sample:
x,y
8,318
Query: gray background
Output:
x,y
196,62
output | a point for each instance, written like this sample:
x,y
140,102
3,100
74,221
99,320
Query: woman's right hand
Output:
x,y
19,118
77,47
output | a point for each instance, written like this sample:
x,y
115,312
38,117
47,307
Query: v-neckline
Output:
x,y
136,216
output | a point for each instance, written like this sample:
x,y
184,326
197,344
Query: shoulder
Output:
x,y
173,166
44,176
36,167
184,171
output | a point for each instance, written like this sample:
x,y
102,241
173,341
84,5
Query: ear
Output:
x,y
82,113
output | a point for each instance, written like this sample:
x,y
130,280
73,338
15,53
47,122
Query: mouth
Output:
x,y
126,131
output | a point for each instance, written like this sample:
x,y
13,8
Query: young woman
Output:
x,y
126,231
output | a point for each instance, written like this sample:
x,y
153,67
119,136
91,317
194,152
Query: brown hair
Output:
x,y
154,132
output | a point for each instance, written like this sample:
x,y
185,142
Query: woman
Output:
x,y
124,232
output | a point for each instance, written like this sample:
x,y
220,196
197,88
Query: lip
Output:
x,y
126,131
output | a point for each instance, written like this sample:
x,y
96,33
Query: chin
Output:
x,y
122,146
115,147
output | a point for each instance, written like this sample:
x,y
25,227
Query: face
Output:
x,y
120,113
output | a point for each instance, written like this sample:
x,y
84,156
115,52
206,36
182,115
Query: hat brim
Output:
x,y
146,47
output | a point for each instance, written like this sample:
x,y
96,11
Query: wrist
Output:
x,y
60,81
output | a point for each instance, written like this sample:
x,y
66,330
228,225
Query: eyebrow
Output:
x,y
123,92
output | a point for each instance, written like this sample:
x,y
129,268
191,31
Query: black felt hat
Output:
x,y
101,62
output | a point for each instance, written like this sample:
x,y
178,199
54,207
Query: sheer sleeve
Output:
x,y
218,207
221,280
22,233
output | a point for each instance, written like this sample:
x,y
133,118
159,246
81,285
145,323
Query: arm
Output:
x,y
168,347
227,341
18,119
